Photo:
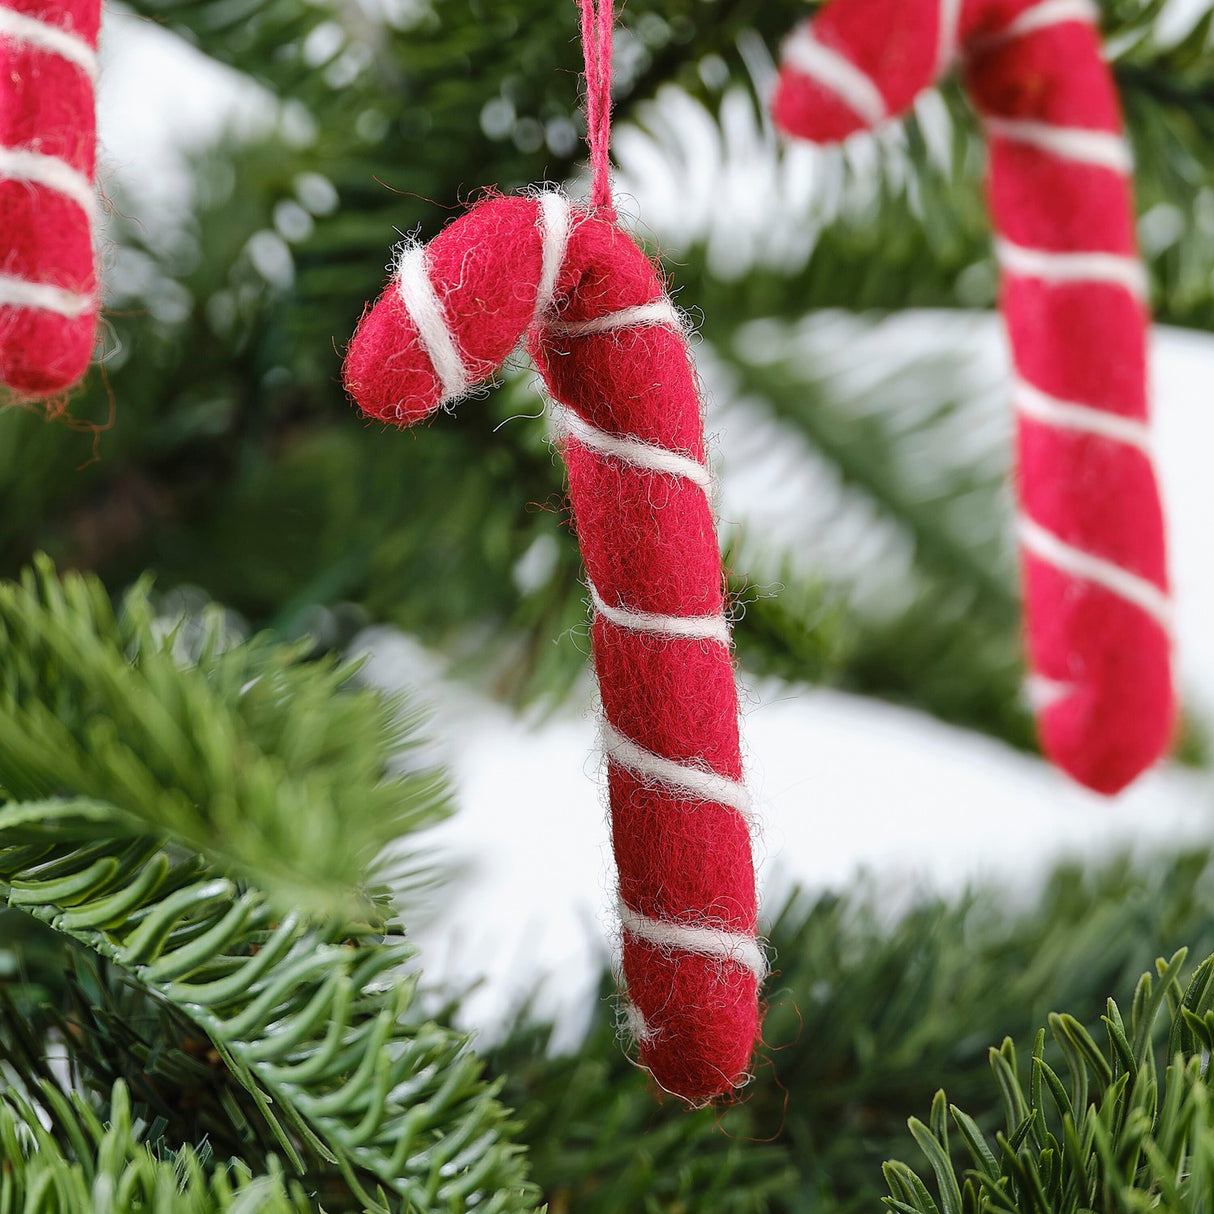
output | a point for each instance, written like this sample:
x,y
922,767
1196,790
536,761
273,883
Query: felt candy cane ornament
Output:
x,y
1074,300
613,353
48,288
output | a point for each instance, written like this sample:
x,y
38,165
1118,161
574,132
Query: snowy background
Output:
x,y
842,784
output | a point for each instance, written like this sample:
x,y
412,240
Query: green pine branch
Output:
x,y
199,818
311,1020
110,1165
868,443
242,751
1108,1133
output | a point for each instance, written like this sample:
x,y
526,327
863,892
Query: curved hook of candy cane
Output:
x,y
611,349
48,287
1073,297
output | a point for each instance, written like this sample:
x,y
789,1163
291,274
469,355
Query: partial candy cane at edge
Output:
x,y
48,285
1091,528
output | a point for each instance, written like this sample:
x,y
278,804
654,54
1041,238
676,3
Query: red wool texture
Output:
x,y
615,359
48,286
1073,299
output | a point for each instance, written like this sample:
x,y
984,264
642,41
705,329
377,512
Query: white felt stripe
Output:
x,y
947,34
422,304
660,312
1046,546
855,88
712,942
20,164
1069,415
17,293
1041,692
1051,12
51,38
554,227
1104,149
681,627
1115,269
701,785
631,450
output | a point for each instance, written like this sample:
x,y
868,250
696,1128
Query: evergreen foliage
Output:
x,y
111,1166
241,750
247,993
1116,1138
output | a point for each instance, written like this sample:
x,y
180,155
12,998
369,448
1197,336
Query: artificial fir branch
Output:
x,y
312,1021
1132,1129
240,750
110,1165
209,812
868,1018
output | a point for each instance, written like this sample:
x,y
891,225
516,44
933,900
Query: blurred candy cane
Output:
x,y
612,350
1074,299
48,286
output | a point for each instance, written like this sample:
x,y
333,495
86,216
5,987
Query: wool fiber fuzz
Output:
x,y
612,351
48,286
1074,302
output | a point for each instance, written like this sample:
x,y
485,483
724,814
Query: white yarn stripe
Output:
x,y
660,312
427,312
1116,269
638,1026
946,38
704,941
47,37
632,450
17,293
1134,589
20,164
554,225
1069,415
702,785
1104,149
682,627
854,87
1051,12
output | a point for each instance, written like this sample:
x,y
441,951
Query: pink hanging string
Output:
x,y
598,20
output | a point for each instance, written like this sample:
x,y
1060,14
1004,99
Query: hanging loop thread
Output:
x,y
598,20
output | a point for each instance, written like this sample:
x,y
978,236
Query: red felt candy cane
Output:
x,y
48,286
612,351
1073,297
